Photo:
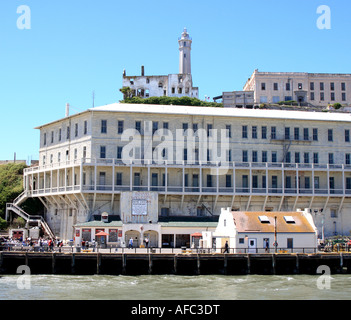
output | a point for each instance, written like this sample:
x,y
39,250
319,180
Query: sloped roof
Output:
x,y
250,222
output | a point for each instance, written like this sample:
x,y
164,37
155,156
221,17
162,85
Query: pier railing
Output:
x,y
158,250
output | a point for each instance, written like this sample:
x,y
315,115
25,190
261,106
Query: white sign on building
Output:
x,y
139,207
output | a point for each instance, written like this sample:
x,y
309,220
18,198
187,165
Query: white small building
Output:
x,y
257,232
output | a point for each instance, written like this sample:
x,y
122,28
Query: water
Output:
x,y
173,287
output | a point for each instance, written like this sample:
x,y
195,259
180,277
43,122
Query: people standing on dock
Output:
x,y
130,243
226,247
146,242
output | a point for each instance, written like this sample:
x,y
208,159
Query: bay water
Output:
x,y
175,287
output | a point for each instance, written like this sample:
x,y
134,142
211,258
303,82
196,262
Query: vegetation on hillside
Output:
x,y
11,186
183,101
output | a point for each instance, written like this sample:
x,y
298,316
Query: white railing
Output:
x,y
189,163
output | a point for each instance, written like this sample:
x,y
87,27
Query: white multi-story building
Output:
x,y
113,159
309,89
171,85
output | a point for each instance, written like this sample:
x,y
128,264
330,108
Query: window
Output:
x,y
274,156
312,96
263,99
84,152
254,132
85,127
311,86
307,182
244,131
288,157
195,127
263,86
315,134
154,127
275,86
68,133
44,139
330,134
332,96
299,86
165,127
263,219
264,156
103,126
185,154
228,128
173,90
287,86
306,157
289,219
209,181
245,182
138,126
333,213
343,96
245,156
287,133
332,86
119,152
347,158
75,154
288,182
102,152
297,133
297,157
315,157
52,136
59,157
316,182
348,183
228,181
264,182
343,86
289,243
321,86
209,130
273,132
305,134
120,125
264,132
60,134
185,128
330,158
52,158
274,182
254,156
76,130
322,96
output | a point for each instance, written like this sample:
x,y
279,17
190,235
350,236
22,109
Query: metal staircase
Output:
x,y
30,219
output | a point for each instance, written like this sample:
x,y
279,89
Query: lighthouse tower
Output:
x,y
185,53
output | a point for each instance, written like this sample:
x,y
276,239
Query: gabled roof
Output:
x,y
286,222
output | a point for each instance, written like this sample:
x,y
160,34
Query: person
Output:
x,y
131,243
226,247
146,242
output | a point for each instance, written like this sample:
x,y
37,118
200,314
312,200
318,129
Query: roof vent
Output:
x,y
289,219
263,219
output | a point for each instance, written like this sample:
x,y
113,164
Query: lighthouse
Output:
x,y
185,53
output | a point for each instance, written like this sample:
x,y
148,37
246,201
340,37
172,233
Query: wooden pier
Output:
x,y
180,264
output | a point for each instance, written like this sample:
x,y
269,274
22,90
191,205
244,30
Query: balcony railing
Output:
x,y
189,163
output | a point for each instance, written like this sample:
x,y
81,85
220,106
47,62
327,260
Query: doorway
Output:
x,y
252,245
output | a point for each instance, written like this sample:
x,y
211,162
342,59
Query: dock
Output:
x,y
93,263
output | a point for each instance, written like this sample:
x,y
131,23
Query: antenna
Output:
x,y
93,98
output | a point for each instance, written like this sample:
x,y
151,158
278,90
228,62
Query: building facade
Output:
x,y
317,89
308,89
114,159
171,85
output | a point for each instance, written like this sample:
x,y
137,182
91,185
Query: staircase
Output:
x,y
39,220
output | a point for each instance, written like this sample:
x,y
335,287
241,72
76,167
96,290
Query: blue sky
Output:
x,y
76,47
